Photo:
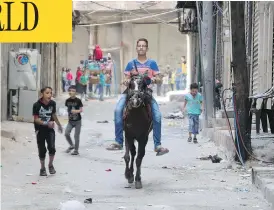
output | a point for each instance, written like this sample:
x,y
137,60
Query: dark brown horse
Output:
x,y
137,126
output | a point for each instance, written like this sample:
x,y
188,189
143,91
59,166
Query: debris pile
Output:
x,y
175,115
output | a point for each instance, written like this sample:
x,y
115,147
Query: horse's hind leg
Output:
x,y
131,169
140,156
127,159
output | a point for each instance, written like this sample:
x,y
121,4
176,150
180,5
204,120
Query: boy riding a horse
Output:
x,y
141,65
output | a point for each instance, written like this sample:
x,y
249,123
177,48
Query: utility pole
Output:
x,y
207,60
189,60
240,72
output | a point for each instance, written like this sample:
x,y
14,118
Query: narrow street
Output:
x,y
176,181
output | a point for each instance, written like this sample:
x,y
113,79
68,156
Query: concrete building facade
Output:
x,y
262,72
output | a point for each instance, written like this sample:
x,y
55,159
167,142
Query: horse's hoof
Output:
x,y
131,180
126,176
138,185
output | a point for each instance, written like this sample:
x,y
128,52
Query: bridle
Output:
x,y
137,91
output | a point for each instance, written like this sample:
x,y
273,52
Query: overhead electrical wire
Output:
x,y
130,20
145,9
111,8
161,20
136,19
107,17
122,11
131,12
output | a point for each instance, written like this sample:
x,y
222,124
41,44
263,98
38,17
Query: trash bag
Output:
x,y
72,205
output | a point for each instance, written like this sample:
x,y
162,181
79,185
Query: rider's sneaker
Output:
x,y
195,141
115,146
189,139
161,150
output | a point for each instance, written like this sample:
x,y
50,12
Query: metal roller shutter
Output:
x,y
273,58
255,65
219,49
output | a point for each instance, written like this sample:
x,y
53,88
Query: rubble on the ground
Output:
x,y
175,115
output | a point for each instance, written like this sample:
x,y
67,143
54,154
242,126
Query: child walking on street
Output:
x,y
44,113
75,107
193,105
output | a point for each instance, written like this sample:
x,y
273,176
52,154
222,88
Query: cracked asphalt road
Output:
x,y
176,181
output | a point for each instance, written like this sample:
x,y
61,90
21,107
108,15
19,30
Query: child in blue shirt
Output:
x,y
193,105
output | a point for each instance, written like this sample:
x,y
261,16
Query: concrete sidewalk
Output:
x,y
263,149
263,178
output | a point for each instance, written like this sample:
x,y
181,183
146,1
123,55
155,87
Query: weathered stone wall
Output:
x,y
53,57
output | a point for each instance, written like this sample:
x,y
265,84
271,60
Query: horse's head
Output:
x,y
137,87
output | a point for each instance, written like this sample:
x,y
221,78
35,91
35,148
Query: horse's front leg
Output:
x,y
140,156
127,159
131,169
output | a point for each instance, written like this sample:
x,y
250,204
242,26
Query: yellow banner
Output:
x,y
36,21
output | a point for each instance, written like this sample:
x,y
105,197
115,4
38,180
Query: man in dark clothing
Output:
x,y
218,86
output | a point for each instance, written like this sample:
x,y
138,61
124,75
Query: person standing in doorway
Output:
x,y
193,105
218,86
75,108
69,77
44,113
64,79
